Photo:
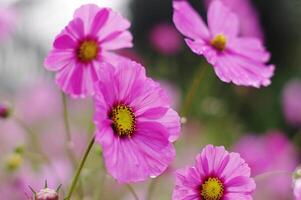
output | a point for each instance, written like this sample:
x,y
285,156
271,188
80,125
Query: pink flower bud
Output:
x,y
47,194
4,111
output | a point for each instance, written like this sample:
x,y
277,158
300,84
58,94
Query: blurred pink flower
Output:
x,y
248,17
12,136
291,102
57,147
84,43
217,174
37,102
172,92
270,153
8,20
240,60
165,39
135,124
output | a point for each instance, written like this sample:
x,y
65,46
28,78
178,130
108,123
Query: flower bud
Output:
x,y
14,161
47,194
4,111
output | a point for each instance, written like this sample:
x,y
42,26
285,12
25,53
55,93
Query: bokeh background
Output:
x,y
264,125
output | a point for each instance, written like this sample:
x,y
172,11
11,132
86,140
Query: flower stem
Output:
x,y
67,130
131,189
78,171
192,90
151,189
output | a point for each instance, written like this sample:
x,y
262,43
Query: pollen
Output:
x,y
123,119
87,50
212,189
219,42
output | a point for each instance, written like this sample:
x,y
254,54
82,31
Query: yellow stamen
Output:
x,y
219,42
87,51
123,120
212,189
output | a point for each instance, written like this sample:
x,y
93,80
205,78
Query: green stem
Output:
x,y
151,189
192,90
78,171
131,189
67,130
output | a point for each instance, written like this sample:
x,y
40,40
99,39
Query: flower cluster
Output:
x,y
135,122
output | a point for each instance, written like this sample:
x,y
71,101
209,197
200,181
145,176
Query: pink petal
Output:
x,y
222,21
146,154
111,57
237,196
250,48
188,22
241,184
154,113
70,79
241,71
104,87
99,21
87,13
57,59
115,23
75,28
64,42
171,121
201,48
117,40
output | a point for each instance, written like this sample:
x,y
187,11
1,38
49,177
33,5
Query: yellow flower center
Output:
x,y
87,51
212,189
123,120
219,42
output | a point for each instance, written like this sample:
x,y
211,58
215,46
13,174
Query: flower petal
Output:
x,y
188,22
222,21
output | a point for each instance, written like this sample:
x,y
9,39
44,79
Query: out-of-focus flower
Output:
x,y
4,111
135,124
249,22
291,102
8,20
47,194
240,60
39,101
217,174
271,153
172,92
85,42
165,39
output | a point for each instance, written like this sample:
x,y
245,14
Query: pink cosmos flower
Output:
x,y
165,39
85,42
282,157
248,17
8,21
216,175
241,60
135,124
291,102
